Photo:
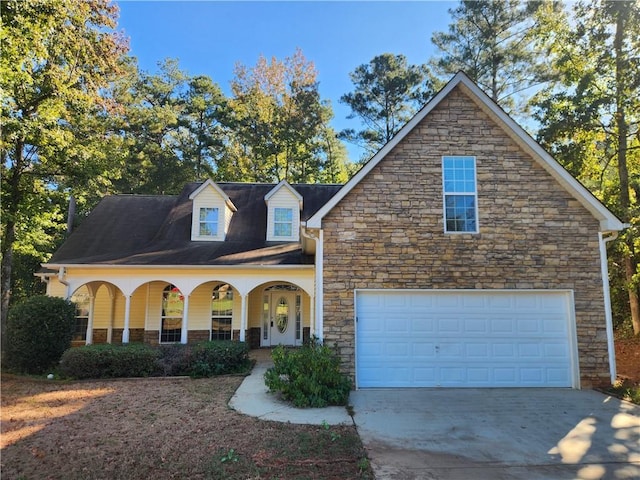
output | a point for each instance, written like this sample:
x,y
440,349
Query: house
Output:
x,y
460,255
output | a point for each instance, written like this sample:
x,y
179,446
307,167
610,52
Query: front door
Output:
x,y
282,326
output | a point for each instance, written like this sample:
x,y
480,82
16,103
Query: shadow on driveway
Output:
x,y
493,434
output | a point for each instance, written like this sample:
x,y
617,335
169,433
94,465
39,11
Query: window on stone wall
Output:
x,y
172,311
460,194
221,312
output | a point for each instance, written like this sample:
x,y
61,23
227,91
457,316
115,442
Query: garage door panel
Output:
x,y
478,339
477,351
476,325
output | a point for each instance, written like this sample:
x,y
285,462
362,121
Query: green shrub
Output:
x,y
39,330
309,376
218,357
110,361
174,360
140,360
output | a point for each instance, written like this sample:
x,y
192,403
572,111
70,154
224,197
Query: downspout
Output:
x,y
318,279
61,274
607,301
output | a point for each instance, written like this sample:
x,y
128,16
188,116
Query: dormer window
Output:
x,y
208,222
212,210
284,204
283,222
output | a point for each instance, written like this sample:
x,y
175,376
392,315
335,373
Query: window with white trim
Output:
x,y
172,311
221,312
460,194
81,323
208,222
282,222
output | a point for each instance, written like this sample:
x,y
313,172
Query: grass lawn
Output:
x,y
159,429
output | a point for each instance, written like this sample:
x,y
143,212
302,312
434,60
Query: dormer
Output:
x,y
211,213
284,204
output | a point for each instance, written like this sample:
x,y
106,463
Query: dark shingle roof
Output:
x,y
156,230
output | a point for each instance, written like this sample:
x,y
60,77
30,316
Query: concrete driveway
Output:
x,y
492,434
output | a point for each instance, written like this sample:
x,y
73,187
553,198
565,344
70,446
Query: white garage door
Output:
x,y
479,338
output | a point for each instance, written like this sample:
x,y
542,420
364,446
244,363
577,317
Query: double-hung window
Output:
x,y
460,194
172,311
283,222
221,312
208,222
82,317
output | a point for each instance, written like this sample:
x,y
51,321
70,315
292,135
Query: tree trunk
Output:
x,y
622,128
12,202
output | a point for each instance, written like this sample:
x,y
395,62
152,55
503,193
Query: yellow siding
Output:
x,y
102,308
254,305
55,288
138,308
155,305
199,308
118,319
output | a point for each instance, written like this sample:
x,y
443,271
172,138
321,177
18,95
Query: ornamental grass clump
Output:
x,y
309,376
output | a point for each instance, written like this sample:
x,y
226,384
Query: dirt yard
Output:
x,y
160,429
628,358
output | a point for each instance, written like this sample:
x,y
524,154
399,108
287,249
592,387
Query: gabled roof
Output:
x,y
608,221
211,184
156,230
287,185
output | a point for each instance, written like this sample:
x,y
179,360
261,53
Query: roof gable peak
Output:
x,y
211,184
287,185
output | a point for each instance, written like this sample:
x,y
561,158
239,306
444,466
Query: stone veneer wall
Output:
x,y
388,231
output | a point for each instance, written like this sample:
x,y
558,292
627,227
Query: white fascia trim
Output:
x,y
211,183
179,267
284,183
608,221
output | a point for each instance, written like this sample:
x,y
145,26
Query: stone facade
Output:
x,y
388,232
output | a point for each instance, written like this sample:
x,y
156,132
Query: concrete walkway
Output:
x,y
253,398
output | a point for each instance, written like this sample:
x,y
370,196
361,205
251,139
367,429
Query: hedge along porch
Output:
x,y
154,306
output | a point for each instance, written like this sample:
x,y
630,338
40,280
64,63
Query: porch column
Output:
x,y
185,321
92,303
127,314
243,316
112,316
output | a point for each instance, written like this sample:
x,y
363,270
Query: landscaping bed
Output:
x,y
160,428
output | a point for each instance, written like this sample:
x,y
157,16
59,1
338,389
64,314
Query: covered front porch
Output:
x,y
264,306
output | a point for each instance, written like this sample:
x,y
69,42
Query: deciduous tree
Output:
x,y
56,57
590,120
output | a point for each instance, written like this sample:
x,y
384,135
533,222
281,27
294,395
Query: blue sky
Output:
x,y
209,37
